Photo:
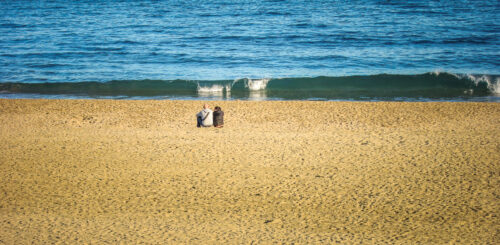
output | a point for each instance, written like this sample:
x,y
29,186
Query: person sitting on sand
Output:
x,y
205,117
218,117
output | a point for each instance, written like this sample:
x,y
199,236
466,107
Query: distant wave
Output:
x,y
381,86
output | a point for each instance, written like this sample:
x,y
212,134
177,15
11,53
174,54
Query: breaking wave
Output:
x,y
433,85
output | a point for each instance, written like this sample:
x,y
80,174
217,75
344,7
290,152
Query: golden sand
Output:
x,y
107,171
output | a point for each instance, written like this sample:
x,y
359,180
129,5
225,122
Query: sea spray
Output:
x,y
492,83
257,84
215,88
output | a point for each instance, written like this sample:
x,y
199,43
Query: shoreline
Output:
x,y
493,98
97,171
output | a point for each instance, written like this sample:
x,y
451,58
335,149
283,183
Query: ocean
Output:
x,y
372,50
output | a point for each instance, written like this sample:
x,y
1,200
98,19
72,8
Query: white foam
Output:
x,y
215,88
256,84
211,91
496,86
492,85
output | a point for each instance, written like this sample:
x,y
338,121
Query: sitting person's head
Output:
x,y
217,108
206,106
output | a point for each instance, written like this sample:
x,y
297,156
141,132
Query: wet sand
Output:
x,y
107,171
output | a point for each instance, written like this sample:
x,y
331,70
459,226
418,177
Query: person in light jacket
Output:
x,y
205,117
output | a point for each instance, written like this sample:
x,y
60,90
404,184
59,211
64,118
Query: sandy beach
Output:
x,y
111,171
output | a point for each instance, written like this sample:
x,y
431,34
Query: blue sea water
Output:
x,y
227,49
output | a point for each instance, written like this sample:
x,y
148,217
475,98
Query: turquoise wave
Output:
x,y
383,86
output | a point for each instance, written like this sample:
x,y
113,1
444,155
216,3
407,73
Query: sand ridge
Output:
x,y
96,171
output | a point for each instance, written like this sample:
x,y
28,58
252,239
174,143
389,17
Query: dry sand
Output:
x,y
107,171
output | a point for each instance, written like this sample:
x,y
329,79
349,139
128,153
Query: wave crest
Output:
x,y
432,85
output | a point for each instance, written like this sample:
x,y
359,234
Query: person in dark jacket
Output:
x,y
218,117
